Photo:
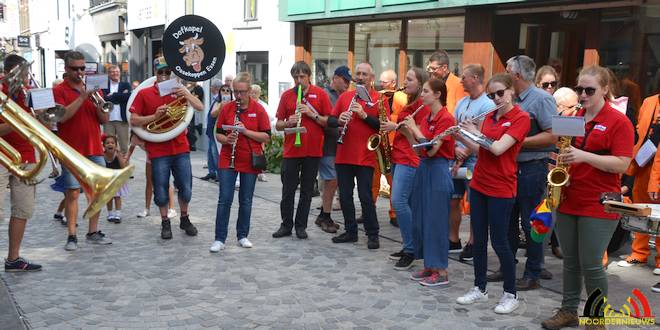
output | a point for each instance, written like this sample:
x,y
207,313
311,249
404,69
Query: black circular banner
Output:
x,y
193,48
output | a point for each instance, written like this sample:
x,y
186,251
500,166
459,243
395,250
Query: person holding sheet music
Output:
x,y
303,107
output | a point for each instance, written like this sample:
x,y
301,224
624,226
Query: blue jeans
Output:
x,y
212,157
179,166
226,198
404,176
491,213
430,212
66,180
532,183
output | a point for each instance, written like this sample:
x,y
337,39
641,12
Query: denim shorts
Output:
x,y
68,181
327,168
179,167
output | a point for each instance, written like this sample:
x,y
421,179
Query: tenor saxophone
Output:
x,y
380,142
558,176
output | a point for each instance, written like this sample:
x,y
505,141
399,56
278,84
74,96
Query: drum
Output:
x,y
643,224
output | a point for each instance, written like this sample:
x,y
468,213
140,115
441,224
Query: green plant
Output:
x,y
273,152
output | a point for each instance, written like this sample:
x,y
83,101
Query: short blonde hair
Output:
x,y
566,96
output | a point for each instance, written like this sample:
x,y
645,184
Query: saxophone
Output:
x,y
380,142
558,176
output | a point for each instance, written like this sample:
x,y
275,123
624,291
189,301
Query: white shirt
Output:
x,y
115,114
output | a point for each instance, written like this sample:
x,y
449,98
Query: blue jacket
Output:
x,y
121,97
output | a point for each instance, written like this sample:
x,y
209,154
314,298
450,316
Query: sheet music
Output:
x,y
96,81
42,98
567,126
168,87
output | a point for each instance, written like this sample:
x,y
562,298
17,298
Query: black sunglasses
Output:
x,y
76,68
225,90
163,71
552,84
587,90
499,93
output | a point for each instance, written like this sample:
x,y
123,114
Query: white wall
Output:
x,y
10,28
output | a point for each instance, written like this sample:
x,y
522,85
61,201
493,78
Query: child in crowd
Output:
x,y
114,160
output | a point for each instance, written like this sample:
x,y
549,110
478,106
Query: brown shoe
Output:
x,y
561,319
329,226
525,284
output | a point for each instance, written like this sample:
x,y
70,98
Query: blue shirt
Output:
x,y
540,106
467,108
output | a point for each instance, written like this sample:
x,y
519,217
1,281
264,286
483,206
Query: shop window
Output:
x,y
329,51
426,35
378,43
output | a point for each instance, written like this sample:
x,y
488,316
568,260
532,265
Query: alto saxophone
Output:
x,y
558,176
380,142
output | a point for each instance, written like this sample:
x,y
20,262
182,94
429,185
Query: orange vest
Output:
x,y
455,92
648,179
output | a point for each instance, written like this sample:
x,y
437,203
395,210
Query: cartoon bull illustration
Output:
x,y
193,53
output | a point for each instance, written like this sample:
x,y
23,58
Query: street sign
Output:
x,y
23,41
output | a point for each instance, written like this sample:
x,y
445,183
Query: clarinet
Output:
x,y
343,129
237,119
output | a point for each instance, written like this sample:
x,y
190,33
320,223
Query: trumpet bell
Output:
x,y
102,185
51,115
558,177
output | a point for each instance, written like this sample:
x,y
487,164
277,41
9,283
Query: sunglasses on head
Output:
x,y
499,93
587,90
163,71
547,85
77,68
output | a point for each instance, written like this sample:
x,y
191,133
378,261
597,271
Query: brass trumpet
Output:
x,y
97,98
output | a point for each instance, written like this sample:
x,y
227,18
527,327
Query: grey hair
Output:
x,y
256,88
523,65
216,83
371,68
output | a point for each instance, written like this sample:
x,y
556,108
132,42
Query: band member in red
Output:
x,y
492,196
22,194
241,154
405,164
596,161
168,156
79,127
433,186
354,160
302,151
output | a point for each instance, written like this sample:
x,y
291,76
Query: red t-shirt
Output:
x,y
254,118
354,149
609,133
23,146
311,141
402,151
82,131
497,176
435,125
145,104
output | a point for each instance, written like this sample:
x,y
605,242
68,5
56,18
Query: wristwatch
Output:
x,y
316,117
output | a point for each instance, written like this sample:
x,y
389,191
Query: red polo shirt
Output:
x,y
354,149
16,140
254,118
402,151
145,104
432,126
311,141
496,176
82,131
609,133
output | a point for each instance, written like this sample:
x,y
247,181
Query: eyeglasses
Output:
x,y
237,92
547,85
430,68
587,90
76,68
499,93
163,72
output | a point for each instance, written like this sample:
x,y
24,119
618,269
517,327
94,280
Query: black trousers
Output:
x,y
346,175
297,171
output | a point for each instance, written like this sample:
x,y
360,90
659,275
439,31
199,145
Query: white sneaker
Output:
x,y
472,296
238,183
629,263
508,303
656,271
143,214
171,213
261,177
245,243
217,246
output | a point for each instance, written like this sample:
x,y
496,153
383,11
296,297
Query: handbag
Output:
x,y
258,160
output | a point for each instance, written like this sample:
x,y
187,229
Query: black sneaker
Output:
x,y
21,265
405,262
58,217
656,287
187,226
373,243
301,233
345,238
396,255
208,177
466,254
545,274
282,232
455,247
394,222
359,219
166,230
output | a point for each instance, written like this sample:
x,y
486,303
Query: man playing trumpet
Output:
x,y
80,129
308,108
168,156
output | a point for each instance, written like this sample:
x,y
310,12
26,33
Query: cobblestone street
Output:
x,y
141,281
